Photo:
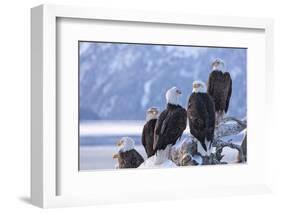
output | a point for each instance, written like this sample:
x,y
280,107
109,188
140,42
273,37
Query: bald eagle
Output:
x,y
201,116
169,126
127,156
220,88
148,130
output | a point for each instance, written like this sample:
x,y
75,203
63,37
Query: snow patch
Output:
x,y
235,138
185,52
147,89
84,46
180,143
198,159
150,163
230,155
121,62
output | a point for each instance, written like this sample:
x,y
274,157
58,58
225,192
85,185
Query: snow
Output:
x,y
84,46
185,52
228,128
107,108
235,138
145,97
123,60
179,144
185,73
198,159
110,70
115,128
111,128
230,155
128,67
150,163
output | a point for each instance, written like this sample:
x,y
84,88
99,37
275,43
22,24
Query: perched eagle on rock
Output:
x,y
220,88
201,116
169,126
148,130
127,156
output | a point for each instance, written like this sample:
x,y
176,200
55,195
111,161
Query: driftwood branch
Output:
x,y
183,156
241,123
222,145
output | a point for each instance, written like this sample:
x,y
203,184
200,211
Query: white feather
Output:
x,y
127,144
172,96
162,155
201,87
202,151
218,64
152,113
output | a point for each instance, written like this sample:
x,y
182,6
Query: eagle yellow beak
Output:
x,y
195,85
115,156
119,143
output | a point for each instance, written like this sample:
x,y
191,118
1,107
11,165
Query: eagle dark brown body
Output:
x,y
220,89
148,137
169,126
201,116
129,159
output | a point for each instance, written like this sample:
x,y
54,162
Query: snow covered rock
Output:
x,y
230,155
229,137
230,126
235,138
182,152
230,149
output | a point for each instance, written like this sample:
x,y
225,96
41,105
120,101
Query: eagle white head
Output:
x,y
218,64
126,144
199,86
152,113
172,96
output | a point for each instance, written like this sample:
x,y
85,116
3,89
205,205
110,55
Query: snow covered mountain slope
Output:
x,y
120,81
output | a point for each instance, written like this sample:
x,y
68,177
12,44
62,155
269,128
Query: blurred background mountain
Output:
x,y
120,81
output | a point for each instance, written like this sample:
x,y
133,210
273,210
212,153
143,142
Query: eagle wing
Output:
x,y
177,123
210,107
130,159
159,127
198,117
136,159
148,137
228,79
169,128
210,84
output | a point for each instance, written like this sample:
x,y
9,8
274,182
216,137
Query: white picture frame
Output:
x,y
45,154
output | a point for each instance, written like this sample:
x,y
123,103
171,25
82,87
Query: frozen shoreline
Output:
x,y
96,150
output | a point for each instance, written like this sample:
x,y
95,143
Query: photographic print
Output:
x,y
161,105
